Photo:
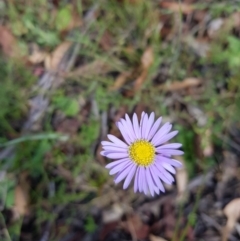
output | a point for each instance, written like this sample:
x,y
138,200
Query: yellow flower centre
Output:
x,y
142,152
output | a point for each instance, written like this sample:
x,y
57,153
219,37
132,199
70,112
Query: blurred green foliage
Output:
x,y
16,81
70,107
90,225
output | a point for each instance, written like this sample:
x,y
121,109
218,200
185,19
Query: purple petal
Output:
x,y
118,155
142,116
116,141
154,128
129,130
144,126
114,149
130,126
140,179
149,125
129,177
171,161
161,133
169,168
166,138
114,163
107,143
144,182
156,190
136,126
170,152
165,173
107,152
141,123
120,167
157,181
170,146
150,181
161,174
124,132
102,153
124,173
136,180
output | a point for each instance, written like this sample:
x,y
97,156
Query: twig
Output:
x,y
132,230
50,136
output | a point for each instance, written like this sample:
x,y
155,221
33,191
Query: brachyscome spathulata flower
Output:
x,y
144,155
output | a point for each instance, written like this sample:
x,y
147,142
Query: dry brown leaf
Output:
x,y
21,201
232,212
106,42
37,56
97,67
136,227
179,85
147,58
120,81
68,126
55,3
8,42
182,182
235,19
176,7
21,198
140,80
206,143
113,214
53,60
156,238
146,61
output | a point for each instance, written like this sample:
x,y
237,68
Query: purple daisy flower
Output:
x,y
144,154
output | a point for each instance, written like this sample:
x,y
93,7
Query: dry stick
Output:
x,y
132,230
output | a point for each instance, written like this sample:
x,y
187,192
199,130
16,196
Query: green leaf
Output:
x,y
9,185
90,225
70,107
47,37
63,17
73,108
